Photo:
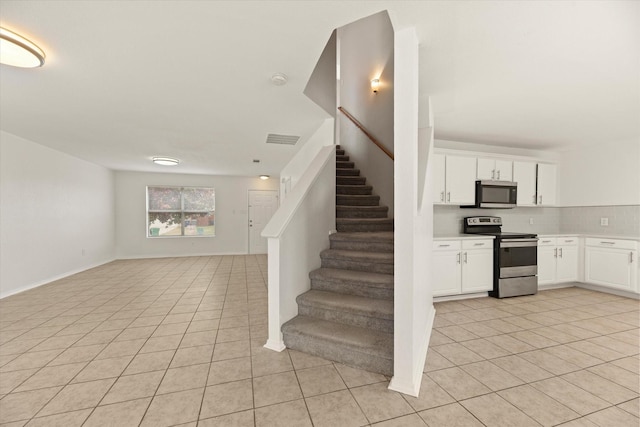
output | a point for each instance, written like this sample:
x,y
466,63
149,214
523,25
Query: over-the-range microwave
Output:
x,y
495,194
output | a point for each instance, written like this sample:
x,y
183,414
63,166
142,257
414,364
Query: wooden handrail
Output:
x,y
366,132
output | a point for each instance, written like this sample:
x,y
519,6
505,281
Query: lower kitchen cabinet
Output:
x,y
612,263
557,260
462,266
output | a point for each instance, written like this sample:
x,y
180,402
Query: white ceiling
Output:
x,y
127,80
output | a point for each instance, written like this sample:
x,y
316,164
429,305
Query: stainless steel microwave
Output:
x,y
495,194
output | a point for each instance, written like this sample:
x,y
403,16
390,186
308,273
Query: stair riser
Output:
x,y
347,318
342,158
344,165
370,266
339,152
378,212
348,189
347,172
342,354
361,290
350,180
350,228
362,246
357,201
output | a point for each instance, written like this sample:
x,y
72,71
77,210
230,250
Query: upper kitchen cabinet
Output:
x,y
524,173
455,178
495,169
546,194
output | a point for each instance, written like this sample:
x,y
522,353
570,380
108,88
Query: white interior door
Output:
x,y
262,205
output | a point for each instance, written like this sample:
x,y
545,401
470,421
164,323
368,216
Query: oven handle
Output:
x,y
518,243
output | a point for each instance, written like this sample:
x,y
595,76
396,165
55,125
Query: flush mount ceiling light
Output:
x,y
165,161
264,177
17,51
279,79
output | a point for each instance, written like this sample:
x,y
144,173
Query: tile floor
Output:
x,y
179,342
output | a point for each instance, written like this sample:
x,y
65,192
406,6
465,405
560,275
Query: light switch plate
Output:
x,y
604,221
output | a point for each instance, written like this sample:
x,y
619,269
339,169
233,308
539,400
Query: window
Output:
x,y
180,211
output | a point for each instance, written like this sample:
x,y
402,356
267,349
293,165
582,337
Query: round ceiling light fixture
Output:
x,y
17,51
165,161
264,177
279,79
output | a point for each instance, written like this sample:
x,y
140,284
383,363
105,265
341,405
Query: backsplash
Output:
x,y
623,220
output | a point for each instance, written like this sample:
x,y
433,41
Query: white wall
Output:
x,y
601,175
56,214
232,232
366,52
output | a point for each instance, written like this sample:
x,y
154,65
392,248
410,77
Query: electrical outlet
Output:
x,y
530,221
604,221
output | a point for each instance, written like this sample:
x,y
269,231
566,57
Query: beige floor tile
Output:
x,y
631,406
354,377
522,369
229,370
30,360
613,417
125,414
173,408
631,364
58,342
303,360
616,345
491,375
458,383
538,405
493,410
146,321
135,333
231,350
283,415
436,361
378,403
192,356
534,339
579,333
67,419
97,337
601,387
150,362
431,395
596,350
154,344
335,409
238,419
267,362
227,398
455,333
105,368
510,344
579,422
438,338
170,329
77,396
571,355
134,387
573,397
457,353
617,375
194,339
51,376
184,378
233,334
78,354
412,420
276,388
453,415
549,362
485,349
21,406
319,380
11,380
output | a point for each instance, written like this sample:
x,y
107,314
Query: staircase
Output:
x,y
347,316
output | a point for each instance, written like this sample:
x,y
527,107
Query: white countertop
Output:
x,y
593,236
461,236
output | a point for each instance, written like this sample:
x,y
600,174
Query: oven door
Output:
x,y
518,257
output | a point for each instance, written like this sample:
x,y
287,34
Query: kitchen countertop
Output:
x,y
592,236
461,236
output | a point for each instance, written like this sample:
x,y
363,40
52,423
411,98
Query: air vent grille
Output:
x,y
274,138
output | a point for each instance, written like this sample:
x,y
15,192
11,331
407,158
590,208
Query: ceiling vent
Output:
x,y
273,138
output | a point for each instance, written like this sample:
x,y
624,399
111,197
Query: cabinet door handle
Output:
x,y
443,246
568,241
442,196
478,244
465,258
448,196
546,241
631,257
607,243
560,252
555,253
498,174
458,258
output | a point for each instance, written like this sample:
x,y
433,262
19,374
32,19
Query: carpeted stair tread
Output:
x,y
347,171
379,236
364,224
350,180
359,278
340,254
370,307
354,189
342,158
357,200
359,339
344,165
361,211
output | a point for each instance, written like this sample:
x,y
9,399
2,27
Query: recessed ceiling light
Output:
x,y
165,161
17,51
264,177
279,79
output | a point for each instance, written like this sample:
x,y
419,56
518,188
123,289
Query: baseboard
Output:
x,y
275,346
53,279
607,290
459,297
414,388
185,255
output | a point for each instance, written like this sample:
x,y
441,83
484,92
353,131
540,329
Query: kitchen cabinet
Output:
x,y
524,173
495,169
612,263
455,178
546,190
557,259
462,266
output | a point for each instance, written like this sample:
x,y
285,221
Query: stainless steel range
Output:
x,y
515,257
